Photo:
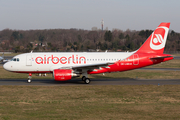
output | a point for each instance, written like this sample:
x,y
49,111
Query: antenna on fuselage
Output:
x,y
31,51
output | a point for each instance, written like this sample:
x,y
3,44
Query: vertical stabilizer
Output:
x,y
156,41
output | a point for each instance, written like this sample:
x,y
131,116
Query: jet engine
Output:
x,y
64,74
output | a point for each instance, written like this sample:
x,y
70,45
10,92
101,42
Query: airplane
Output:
x,y
2,60
67,65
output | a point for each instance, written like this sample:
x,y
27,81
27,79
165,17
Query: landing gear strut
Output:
x,y
29,78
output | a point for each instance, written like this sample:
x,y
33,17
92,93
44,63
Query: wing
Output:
x,y
92,66
89,66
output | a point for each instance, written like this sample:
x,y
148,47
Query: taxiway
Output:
x,y
104,81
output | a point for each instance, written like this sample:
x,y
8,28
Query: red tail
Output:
x,y
157,40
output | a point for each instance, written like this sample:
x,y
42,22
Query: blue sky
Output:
x,y
85,14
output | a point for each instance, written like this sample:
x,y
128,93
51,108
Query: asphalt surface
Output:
x,y
109,81
176,57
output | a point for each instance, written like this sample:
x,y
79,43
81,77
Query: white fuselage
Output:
x,y
48,61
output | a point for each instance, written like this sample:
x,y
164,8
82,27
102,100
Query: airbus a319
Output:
x,y
66,65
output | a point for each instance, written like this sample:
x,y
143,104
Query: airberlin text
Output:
x,y
75,59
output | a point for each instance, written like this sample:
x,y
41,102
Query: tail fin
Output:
x,y
156,41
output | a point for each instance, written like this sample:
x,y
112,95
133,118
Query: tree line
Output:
x,y
79,40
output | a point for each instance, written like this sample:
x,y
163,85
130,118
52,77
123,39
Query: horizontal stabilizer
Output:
x,y
160,57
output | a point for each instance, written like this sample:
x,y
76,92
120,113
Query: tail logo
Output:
x,y
158,38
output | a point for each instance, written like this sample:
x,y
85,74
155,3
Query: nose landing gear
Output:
x,y
29,78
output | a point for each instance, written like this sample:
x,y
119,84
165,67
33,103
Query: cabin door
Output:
x,y
29,60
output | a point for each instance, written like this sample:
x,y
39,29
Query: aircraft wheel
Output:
x,y
29,81
83,78
87,81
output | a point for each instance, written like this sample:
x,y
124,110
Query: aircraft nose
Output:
x,y
6,66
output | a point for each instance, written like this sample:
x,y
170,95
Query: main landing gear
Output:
x,y
86,80
29,78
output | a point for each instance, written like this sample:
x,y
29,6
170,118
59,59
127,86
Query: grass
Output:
x,y
175,63
86,102
12,54
175,54
90,102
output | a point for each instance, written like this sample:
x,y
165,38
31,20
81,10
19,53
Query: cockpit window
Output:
x,y
15,59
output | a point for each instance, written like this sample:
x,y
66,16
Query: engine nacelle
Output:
x,y
63,74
